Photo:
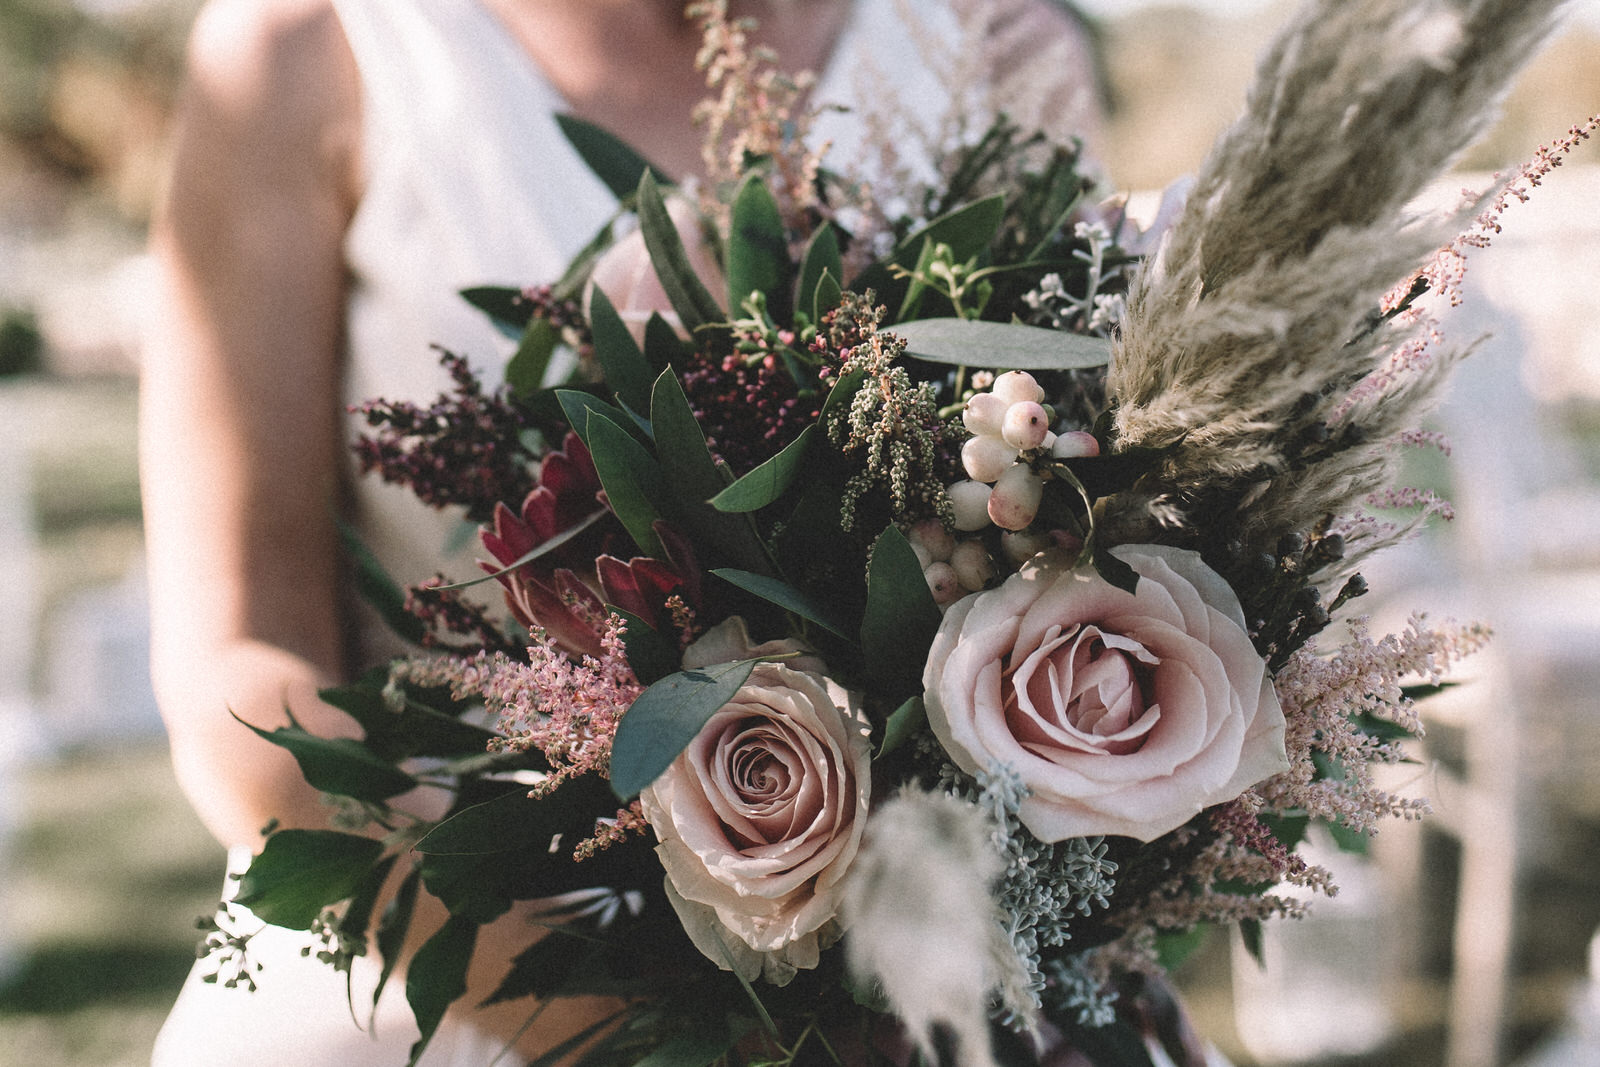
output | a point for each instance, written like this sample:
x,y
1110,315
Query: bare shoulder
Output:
x,y
274,81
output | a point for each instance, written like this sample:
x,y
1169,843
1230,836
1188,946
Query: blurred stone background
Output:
x,y
103,868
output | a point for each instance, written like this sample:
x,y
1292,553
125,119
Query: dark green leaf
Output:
x,y
1175,946
358,914
662,345
525,373
915,284
767,482
438,977
694,478
665,718
506,307
758,251
626,371
374,586
695,306
338,765
827,296
821,260
1250,935
1352,841
1290,830
901,616
300,872
577,406
902,725
632,481
776,591
1113,569
1008,345
411,729
613,161
651,655
697,1046
394,926
967,230
1116,1045
1382,729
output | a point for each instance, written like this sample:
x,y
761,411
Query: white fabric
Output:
x,y
469,182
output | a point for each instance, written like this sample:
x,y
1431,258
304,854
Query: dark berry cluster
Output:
x,y
748,404
466,448
443,611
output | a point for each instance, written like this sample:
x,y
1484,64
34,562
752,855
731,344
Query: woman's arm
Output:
x,y
240,422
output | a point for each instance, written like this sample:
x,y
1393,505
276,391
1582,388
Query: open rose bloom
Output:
x,y
1123,713
760,818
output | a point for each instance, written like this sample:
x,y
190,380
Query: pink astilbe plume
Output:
x,y
1324,699
566,710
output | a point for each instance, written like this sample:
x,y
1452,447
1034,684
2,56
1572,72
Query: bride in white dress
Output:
x,y
343,167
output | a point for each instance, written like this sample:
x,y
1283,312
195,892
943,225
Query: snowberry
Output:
x,y
931,536
974,569
986,457
983,414
1015,385
1075,445
1026,425
943,584
1016,496
971,503
1021,547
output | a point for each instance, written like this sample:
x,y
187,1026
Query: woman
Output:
x,y
341,168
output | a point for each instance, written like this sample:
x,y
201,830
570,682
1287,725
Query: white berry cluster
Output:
x,y
1010,427
953,568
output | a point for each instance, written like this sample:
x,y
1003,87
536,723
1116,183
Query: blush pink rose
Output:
x,y
626,275
759,819
1122,713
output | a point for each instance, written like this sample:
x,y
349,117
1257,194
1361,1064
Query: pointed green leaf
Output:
x,y
506,307
827,296
776,591
577,406
967,230
376,588
393,927
300,872
337,765
915,286
613,161
438,977
627,373
821,259
758,251
694,478
651,655
525,373
1008,345
665,718
698,1046
631,478
695,306
902,725
767,482
901,617
1111,568
1250,934
662,345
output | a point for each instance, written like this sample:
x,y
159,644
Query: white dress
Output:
x,y
470,182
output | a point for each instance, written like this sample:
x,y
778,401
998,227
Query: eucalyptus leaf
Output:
x,y
779,592
770,480
300,872
438,977
665,718
612,159
338,765
695,306
901,617
627,373
632,480
526,371
1008,345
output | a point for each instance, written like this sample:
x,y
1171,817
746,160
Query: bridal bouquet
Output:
x,y
914,621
